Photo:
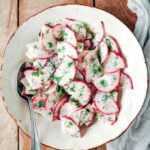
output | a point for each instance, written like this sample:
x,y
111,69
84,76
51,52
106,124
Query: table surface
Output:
x,y
12,14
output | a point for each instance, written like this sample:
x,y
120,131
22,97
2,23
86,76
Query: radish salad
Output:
x,y
75,73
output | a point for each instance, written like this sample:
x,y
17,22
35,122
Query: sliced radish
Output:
x,y
112,43
66,49
56,109
27,88
113,63
40,110
38,98
39,63
69,36
28,64
58,31
79,66
88,115
65,72
107,82
47,39
34,81
78,116
38,77
52,88
111,118
26,84
69,126
126,81
80,46
103,51
80,91
93,70
51,100
88,44
31,92
98,33
78,27
53,61
68,107
35,51
93,89
50,103
89,33
87,57
48,84
105,103
79,75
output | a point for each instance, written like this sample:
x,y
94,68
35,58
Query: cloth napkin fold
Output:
x,y
137,137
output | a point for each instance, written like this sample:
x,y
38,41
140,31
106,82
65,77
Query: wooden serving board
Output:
x,y
12,14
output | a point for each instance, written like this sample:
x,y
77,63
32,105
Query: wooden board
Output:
x,y
27,8
119,9
8,24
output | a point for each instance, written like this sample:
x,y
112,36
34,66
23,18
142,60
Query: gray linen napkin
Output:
x,y
137,137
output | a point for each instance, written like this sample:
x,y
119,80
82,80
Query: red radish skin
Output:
x,y
102,24
118,55
73,32
86,38
70,19
43,44
74,123
77,70
103,28
107,50
48,25
53,30
73,20
129,79
42,40
35,97
115,41
41,59
58,105
56,92
47,87
87,44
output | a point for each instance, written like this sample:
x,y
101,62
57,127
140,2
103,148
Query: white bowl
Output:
x,y
99,133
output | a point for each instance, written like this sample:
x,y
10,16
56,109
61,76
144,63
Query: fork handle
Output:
x,y
35,143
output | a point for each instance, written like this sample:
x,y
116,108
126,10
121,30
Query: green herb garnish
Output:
x,y
40,104
103,83
109,43
50,44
